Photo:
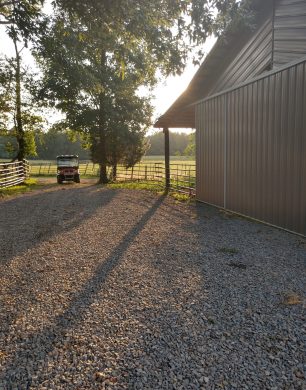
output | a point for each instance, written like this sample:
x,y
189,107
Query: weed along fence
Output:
x,y
182,176
13,173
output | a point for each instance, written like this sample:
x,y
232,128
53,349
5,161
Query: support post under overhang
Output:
x,y
167,158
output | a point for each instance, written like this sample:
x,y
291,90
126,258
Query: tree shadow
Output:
x,y
205,324
74,313
193,295
37,218
28,220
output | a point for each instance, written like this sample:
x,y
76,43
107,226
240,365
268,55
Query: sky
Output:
x,y
165,93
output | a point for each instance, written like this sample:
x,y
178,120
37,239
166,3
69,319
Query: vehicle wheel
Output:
x,y
77,178
59,181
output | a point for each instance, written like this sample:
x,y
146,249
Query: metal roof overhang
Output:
x,y
182,112
184,118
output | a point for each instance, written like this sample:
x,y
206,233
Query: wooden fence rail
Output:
x,y
14,173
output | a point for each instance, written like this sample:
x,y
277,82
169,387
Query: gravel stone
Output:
x,y
123,289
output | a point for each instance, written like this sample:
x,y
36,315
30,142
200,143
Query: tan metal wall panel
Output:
x,y
199,152
289,31
251,61
261,142
210,151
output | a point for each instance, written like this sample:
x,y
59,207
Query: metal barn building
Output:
x,y
248,104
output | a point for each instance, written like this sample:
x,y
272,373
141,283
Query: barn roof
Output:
x,y
182,112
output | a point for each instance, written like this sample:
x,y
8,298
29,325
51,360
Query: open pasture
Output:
x,y
48,167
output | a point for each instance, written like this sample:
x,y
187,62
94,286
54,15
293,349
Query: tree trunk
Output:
x,y
19,128
103,179
102,136
114,172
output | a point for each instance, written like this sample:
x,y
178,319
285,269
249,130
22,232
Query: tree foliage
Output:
x,y
22,15
178,143
21,19
55,142
190,149
168,29
11,105
82,78
97,54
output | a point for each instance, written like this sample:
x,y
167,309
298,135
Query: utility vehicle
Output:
x,y
68,168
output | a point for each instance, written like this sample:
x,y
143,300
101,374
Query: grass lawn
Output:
x,y
28,185
150,186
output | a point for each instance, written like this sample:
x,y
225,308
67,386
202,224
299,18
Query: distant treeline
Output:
x,y
48,146
53,143
179,144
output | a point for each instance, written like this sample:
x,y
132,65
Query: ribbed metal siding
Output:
x,y
210,151
289,31
264,146
251,61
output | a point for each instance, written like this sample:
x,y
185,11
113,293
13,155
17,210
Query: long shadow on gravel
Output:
x,y
74,312
226,325
28,220
40,217
217,320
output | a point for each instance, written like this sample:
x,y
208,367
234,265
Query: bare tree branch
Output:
x,y
21,50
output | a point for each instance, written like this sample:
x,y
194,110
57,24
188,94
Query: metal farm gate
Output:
x,y
14,173
251,148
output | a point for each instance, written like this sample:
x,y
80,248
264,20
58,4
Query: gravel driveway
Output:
x,y
120,289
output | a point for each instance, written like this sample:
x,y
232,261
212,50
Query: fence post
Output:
x,y
24,168
6,173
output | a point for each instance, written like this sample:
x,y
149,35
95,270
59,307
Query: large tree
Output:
x,y
93,49
127,122
89,80
22,24
19,119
